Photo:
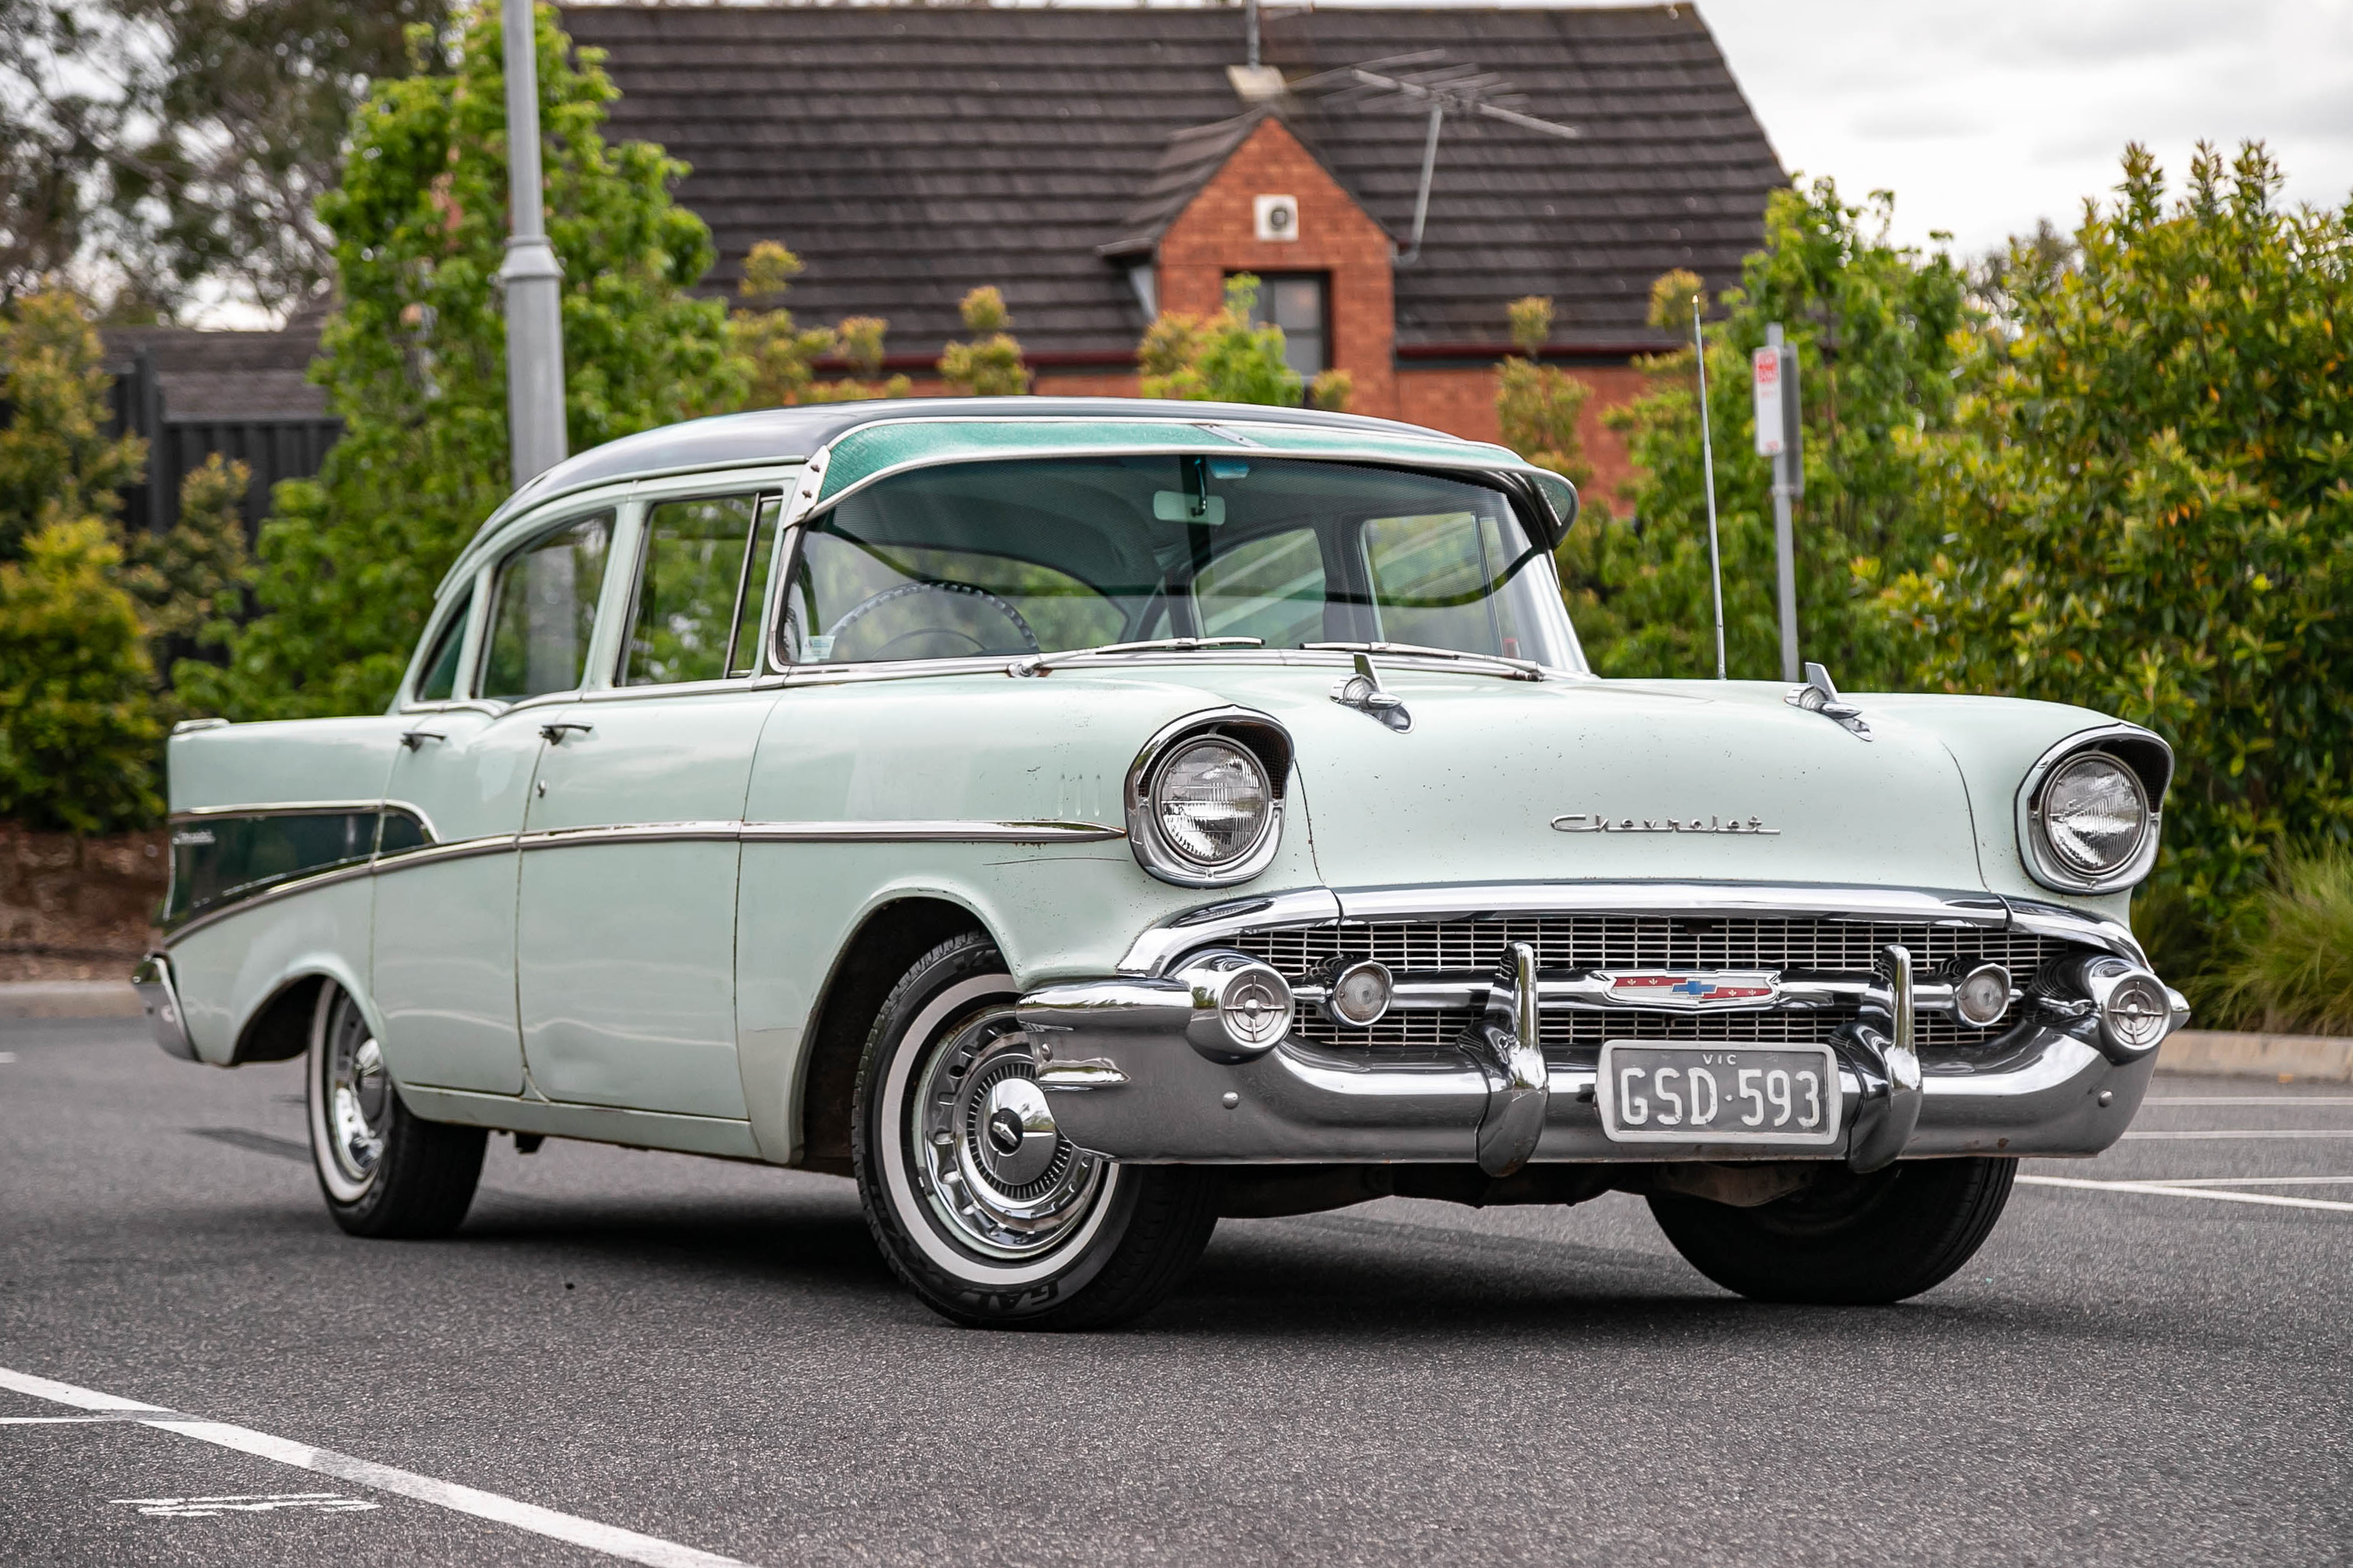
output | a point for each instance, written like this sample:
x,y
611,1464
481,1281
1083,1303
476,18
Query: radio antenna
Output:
x,y
1707,466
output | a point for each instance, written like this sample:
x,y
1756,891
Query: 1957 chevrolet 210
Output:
x,y
1080,820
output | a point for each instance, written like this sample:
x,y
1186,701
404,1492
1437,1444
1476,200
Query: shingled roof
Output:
x,y
911,152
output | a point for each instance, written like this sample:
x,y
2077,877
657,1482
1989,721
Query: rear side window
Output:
x,y
704,575
543,609
438,679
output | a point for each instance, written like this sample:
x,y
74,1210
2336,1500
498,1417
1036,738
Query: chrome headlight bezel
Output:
x,y
1266,743
2143,758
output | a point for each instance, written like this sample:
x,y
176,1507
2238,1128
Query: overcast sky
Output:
x,y
1984,116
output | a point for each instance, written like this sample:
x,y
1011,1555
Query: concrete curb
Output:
x,y
2222,1053
70,999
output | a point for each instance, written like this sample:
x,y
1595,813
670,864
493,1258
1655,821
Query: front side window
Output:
x,y
703,581
1048,554
436,679
543,610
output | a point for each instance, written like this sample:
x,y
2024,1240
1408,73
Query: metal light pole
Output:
x,y
533,277
1773,375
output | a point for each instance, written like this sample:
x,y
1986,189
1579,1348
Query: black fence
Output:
x,y
274,445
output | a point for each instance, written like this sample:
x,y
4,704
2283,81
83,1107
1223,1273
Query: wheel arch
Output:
x,y
278,1028
888,940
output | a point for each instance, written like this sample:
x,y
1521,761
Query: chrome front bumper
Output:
x,y
1139,1069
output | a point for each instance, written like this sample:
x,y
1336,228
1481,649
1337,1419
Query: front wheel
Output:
x,y
1848,1239
385,1172
981,1206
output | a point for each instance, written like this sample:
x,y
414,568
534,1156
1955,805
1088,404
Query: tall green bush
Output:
x,y
989,365
1873,323
57,462
2148,503
413,358
78,732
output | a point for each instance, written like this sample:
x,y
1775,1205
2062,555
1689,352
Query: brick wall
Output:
x,y
1216,234
1461,402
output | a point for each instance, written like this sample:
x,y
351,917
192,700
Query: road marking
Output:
x,y
265,1502
2253,1099
2166,1189
610,1540
59,1420
6,1057
2250,1181
2242,1132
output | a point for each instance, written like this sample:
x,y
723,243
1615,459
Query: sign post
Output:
x,y
1773,377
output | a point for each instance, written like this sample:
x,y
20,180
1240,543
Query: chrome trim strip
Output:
x,y
921,831
288,808
160,996
1158,946
455,850
1590,992
266,893
1830,900
632,833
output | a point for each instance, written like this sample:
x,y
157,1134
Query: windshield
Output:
x,y
1053,554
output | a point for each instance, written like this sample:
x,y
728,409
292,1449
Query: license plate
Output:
x,y
1652,1093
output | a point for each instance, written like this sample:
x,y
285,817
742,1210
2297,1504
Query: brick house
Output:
x,y
1099,164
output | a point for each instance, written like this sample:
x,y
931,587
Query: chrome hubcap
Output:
x,y
997,1173
358,1095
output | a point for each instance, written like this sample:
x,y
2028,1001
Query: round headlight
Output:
x,y
1360,994
2095,814
1211,802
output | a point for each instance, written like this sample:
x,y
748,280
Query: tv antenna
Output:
x,y
1444,87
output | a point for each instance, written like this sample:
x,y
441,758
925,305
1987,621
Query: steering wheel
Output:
x,y
873,601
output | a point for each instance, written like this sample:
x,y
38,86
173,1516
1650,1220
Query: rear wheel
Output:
x,y
1848,1239
385,1172
981,1206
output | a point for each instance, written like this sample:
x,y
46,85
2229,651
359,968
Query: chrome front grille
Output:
x,y
1425,948
1473,949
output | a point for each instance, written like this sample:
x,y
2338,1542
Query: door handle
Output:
x,y
415,739
554,733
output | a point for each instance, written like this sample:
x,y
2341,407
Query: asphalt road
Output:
x,y
713,1355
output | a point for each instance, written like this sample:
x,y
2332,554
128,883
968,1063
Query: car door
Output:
x,y
626,931
444,967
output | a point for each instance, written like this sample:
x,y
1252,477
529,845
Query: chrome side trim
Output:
x,y
285,808
919,831
632,833
268,894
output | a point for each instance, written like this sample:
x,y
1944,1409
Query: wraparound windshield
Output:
x,y
1051,555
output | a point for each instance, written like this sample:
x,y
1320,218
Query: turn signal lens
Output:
x,y
1360,994
2094,814
1983,996
1256,1007
1212,801
2136,1012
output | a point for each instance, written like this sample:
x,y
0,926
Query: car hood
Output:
x,y
1502,779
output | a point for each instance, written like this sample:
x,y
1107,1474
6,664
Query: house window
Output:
x,y
1300,303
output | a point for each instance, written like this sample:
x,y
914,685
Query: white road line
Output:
x,y
2250,1181
59,1420
2253,1099
2161,1189
2241,1132
607,1538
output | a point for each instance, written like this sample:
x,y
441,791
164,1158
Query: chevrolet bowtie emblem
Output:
x,y
1686,989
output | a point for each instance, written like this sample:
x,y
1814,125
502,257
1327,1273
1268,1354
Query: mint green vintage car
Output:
x,y
1080,820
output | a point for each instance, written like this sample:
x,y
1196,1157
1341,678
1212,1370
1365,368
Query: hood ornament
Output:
x,y
1363,692
1819,695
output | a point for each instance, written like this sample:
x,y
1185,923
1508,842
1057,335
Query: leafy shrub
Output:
x,y
2295,969
77,735
1222,358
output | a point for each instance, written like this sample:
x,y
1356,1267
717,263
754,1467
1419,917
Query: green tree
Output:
x,y
415,358
77,733
990,365
1221,358
1537,405
190,581
56,461
2149,498
782,356
1874,326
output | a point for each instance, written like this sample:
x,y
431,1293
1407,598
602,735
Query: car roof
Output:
x,y
894,432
